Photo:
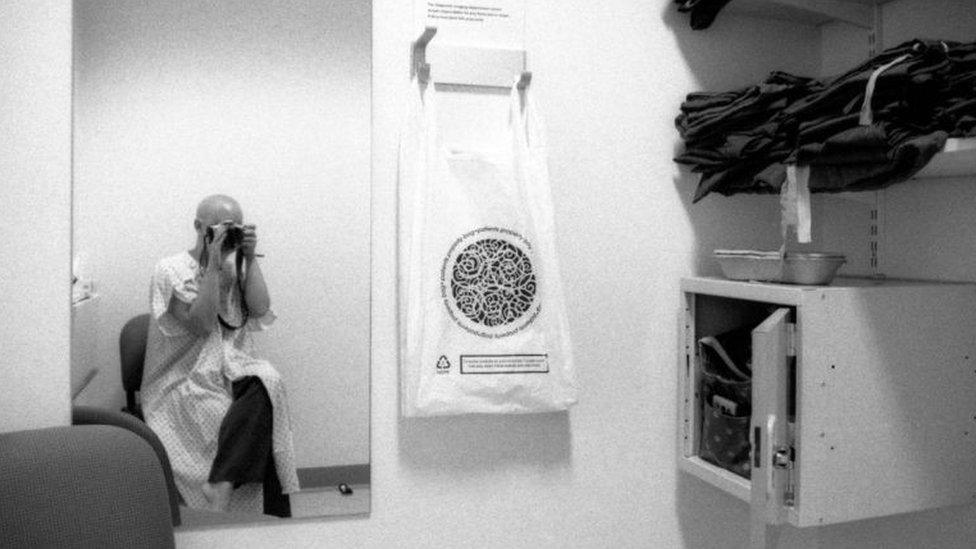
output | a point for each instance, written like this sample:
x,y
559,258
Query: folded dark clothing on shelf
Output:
x,y
816,131
738,178
834,171
841,94
965,127
702,158
958,118
856,145
926,51
698,101
921,91
747,145
750,107
771,177
733,149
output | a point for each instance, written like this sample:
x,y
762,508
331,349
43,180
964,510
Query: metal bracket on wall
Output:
x,y
876,239
877,212
875,37
876,203
876,226
467,66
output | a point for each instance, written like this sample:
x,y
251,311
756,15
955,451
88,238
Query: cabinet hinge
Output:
x,y
791,339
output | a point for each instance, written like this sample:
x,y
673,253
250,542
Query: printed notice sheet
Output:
x,y
488,23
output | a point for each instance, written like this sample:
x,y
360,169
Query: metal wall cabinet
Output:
x,y
863,396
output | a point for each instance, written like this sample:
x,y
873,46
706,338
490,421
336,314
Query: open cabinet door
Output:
x,y
768,430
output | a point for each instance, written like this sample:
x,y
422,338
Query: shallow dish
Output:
x,y
813,268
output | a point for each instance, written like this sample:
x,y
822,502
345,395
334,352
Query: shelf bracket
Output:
x,y
876,31
877,225
876,237
809,11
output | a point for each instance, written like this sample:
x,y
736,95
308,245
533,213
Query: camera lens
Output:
x,y
234,238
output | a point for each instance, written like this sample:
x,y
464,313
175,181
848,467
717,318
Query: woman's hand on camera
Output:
x,y
250,241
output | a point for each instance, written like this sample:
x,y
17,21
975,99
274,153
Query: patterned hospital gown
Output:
x,y
186,386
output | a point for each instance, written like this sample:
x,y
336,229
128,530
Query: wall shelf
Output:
x,y
813,12
957,159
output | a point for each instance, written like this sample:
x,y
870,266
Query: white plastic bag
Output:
x,y
482,319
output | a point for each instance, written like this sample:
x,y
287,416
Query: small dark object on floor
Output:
x,y
345,490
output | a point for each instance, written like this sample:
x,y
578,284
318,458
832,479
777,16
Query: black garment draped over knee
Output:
x,y
244,445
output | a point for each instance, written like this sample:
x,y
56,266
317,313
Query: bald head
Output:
x,y
218,208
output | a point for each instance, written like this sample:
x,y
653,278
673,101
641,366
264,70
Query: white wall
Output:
x,y
609,80
35,198
268,103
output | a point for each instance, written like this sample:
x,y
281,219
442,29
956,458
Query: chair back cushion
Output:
x,y
132,350
82,486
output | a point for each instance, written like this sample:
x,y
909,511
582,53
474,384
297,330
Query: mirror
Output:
x,y
267,102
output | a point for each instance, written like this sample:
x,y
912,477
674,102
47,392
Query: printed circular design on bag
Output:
x,y
488,282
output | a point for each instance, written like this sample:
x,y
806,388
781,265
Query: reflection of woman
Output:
x,y
221,413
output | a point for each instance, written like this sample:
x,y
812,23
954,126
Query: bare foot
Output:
x,y
218,495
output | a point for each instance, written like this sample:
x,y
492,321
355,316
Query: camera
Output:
x,y
233,238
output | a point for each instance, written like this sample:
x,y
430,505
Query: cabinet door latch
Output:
x,y
783,457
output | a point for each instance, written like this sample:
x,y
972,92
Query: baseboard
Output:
x,y
310,478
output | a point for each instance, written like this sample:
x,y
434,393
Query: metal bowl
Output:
x,y
809,268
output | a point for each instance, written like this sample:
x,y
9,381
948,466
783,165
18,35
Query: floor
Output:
x,y
328,501
314,502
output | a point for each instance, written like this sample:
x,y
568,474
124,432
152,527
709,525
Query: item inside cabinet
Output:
x,y
726,399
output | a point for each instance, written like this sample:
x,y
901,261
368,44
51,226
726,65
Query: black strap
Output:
x,y
241,285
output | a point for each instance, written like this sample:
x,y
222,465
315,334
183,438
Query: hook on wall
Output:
x,y
419,66
524,80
